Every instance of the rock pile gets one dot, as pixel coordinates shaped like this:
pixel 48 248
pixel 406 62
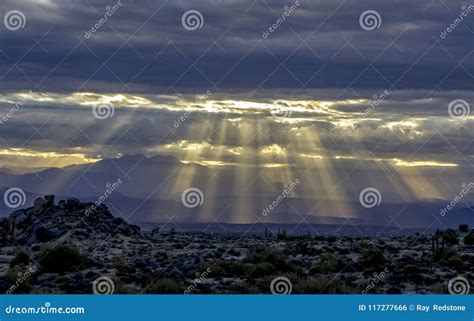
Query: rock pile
pixel 46 221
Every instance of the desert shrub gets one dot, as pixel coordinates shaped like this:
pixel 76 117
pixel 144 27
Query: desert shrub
pixel 225 268
pixel 262 269
pixel 324 285
pixel 394 290
pixel 19 281
pixel 243 288
pixel 165 286
pixel 372 260
pixel 21 257
pixel 119 264
pixel 469 238
pixel 62 258
pixel 439 289
pixel 450 236
pixel 454 261
pixel 409 272
pixel 329 262
pixel 269 256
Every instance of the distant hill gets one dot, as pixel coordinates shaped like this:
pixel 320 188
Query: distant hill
pixel 148 194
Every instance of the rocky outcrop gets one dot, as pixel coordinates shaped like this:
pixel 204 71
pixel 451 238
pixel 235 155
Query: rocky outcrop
pixel 46 221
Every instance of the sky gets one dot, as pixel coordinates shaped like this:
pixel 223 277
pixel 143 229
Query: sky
pixel 291 87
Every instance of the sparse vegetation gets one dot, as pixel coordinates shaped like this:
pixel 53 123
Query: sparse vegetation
pixel 21 257
pixel 165 286
pixel 173 262
pixel 62 258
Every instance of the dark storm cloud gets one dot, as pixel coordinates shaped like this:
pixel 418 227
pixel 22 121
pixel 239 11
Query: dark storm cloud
pixel 144 48
pixel 422 132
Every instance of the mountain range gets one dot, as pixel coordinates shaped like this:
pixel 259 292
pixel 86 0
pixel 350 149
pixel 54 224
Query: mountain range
pixel 150 191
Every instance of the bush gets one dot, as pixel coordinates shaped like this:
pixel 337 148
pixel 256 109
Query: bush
pixel 324 285
pixel 450 236
pixel 118 264
pixel 61 259
pixel 269 256
pixel 454 262
pixel 165 286
pixel 469 238
pixel 21 257
pixel 408 272
pixel 19 281
pixel 372 259
pixel 330 263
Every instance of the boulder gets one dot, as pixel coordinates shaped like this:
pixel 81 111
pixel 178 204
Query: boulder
pixel 20 217
pixel 40 206
pixel 44 235
pixel 72 203
pixel 49 200
pixel 62 204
